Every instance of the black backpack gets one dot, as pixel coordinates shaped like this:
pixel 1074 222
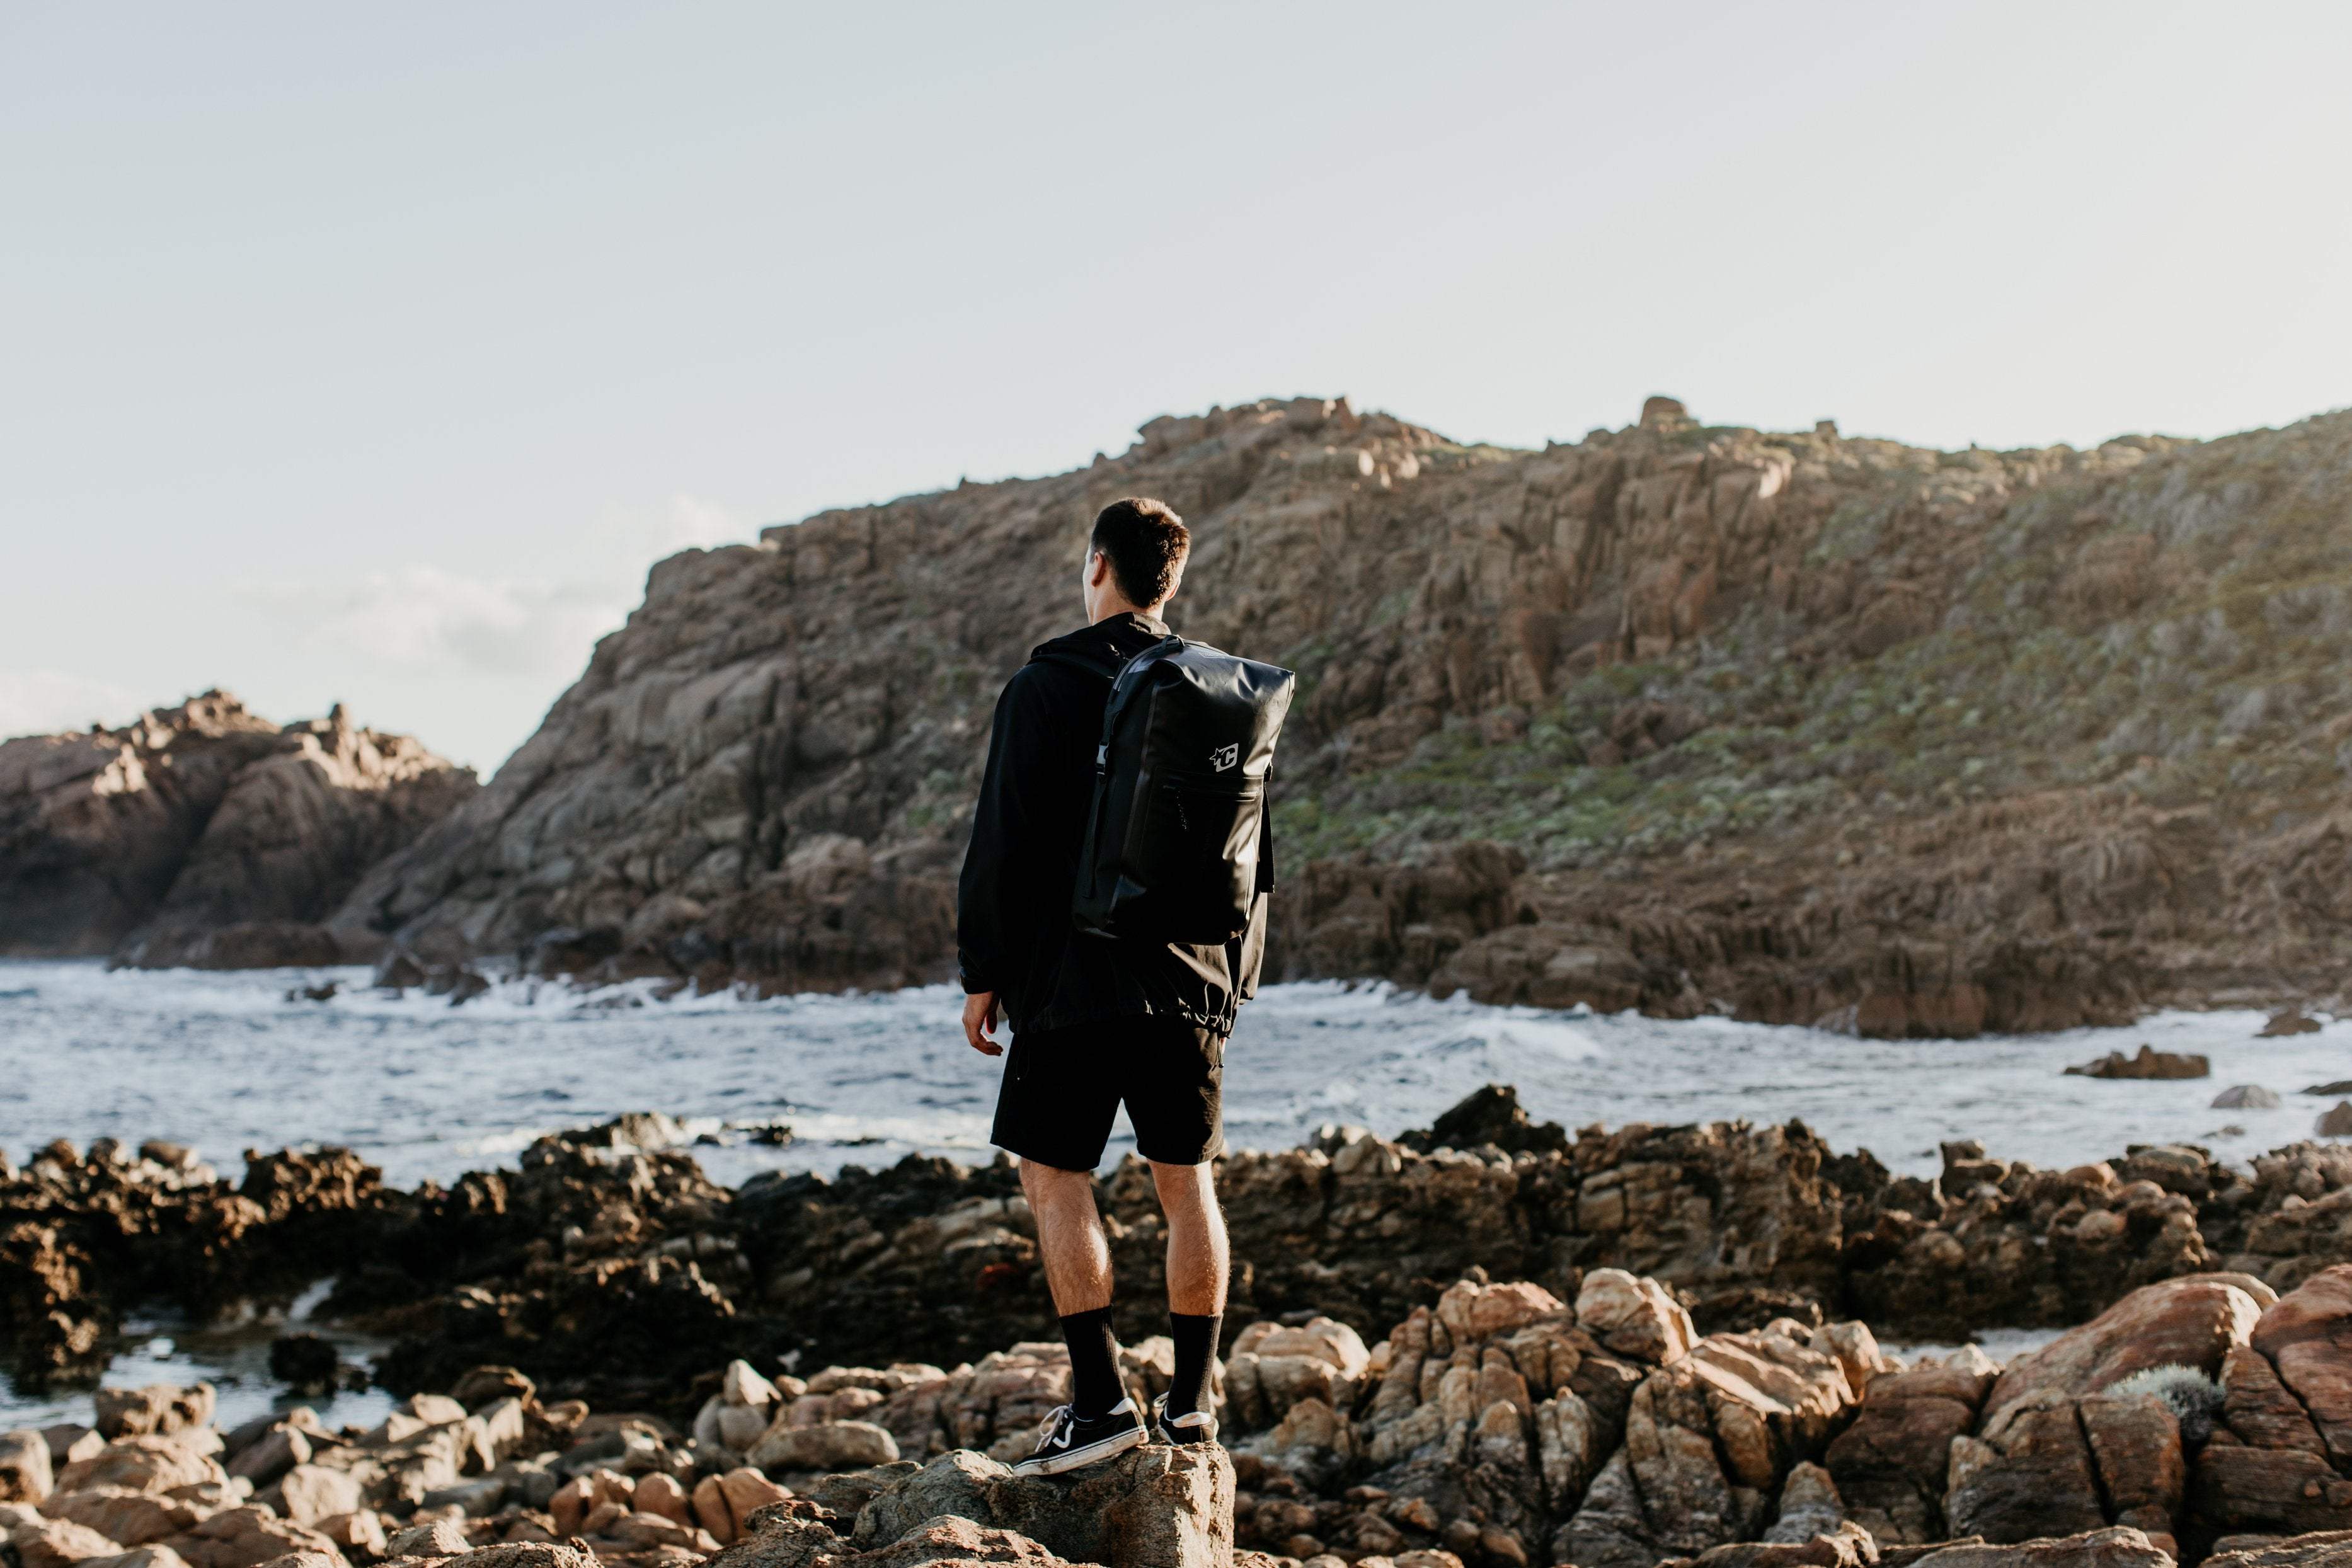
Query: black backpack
pixel 1176 846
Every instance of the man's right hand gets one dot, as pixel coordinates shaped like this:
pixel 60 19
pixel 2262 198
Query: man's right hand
pixel 979 1022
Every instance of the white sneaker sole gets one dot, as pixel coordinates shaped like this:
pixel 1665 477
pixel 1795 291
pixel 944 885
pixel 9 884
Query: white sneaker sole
pixel 1079 1458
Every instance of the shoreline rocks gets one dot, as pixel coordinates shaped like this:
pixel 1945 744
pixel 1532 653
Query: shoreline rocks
pixel 608 1267
pixel 2198 1419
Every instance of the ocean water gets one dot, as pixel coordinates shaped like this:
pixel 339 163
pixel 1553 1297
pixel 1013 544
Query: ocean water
pixel 226 1062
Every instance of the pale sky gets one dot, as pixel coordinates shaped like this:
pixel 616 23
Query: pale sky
pixel 373 352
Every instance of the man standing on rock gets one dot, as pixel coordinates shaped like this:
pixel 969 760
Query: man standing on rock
pixel 1097 1020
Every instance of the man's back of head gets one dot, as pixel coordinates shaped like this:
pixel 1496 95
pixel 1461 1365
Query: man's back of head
pixel 1135 557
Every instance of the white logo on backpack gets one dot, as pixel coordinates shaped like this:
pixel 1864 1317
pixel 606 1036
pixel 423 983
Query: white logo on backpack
pixel 1224 757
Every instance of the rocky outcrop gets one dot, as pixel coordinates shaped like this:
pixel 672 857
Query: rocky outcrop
pixel 203 834
pixel 1677 716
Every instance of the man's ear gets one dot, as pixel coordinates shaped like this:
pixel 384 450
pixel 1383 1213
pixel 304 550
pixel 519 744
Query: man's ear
pixel 1098 567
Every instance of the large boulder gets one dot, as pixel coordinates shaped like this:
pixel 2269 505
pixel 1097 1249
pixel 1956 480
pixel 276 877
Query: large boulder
pixel 154 1464
pixel 159 1408
pixel 1710 1441
pixel 1150 1507
pixel 1497 1399
pixel 1271 1367
pixel 2192 1322
pixel 2105 1548
pixel 131 1517
pixel 1891 1464
pixel 2307 1336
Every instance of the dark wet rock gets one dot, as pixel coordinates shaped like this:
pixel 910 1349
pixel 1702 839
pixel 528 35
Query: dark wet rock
pixel 1491 1117
pixel 2147 1062
pixel 304 1363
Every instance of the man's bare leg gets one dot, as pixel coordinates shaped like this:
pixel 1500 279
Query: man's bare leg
pixel 1199 1265
pixel 1199 1259
pixel 1076 1255
pixel 1070 1237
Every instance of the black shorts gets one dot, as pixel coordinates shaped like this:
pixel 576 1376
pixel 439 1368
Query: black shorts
pixel 1063 1088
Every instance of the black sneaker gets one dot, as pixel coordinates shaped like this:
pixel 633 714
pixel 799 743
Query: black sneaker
pixel 1070 1441
pixel 1192 1427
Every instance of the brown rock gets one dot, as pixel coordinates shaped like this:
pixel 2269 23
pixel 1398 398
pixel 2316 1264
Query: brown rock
pixel 2147 1063
pixel 247 1537
pixel 1891 1465
pixel 1633 1317
pixel 952 1540
pixel 59 1543
pixel 141 1464
pixel 832 1445
pixel 2307 1336
pixel 2108 1548
pixel 661 1494
pixel 2190 1322
pixel 2028 1476
pixel 2325 1549
pixel 130 1518
pixel 2136 1449
pixel 156 1556
pixel 25 1473
pixel 360 1533
pixel 435 1538
pixel 2288 1022
pixel 270 1456
pixel 1148 1507
pixel 159 1407
pixel 2257 1409
pixel 2240 1488
pixel 309 1494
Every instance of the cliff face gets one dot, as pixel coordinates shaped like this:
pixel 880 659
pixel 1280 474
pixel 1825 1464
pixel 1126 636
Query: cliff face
pixel 1679 716
pixel 204 833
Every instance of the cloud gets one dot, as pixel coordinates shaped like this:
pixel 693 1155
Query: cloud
pixel 50 702
pixel 428 619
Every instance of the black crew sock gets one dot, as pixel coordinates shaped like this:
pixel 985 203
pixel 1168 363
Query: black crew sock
pixel 1196 1356
pixel 1094 1387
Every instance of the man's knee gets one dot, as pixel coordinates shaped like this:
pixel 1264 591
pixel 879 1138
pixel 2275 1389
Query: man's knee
pixel 1186 1189
pixel 1052 1185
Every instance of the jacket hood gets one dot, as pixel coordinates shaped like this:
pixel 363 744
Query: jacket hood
pixel 1120 636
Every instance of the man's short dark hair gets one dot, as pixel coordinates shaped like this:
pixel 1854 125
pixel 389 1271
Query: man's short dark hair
pixel 1145 542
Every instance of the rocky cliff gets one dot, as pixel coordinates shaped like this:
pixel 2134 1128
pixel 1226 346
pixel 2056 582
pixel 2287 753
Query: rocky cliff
pixel 204 833
pixel 1680 716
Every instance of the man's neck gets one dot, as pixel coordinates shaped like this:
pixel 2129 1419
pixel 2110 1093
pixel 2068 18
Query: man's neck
pixel 1116 610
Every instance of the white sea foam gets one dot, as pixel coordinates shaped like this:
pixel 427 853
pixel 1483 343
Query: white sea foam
pixel 225 1062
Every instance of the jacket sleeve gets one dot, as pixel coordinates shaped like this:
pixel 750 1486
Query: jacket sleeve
pixel 996 915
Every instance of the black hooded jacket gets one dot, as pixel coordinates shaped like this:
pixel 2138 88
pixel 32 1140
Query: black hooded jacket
pixel 1013 932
